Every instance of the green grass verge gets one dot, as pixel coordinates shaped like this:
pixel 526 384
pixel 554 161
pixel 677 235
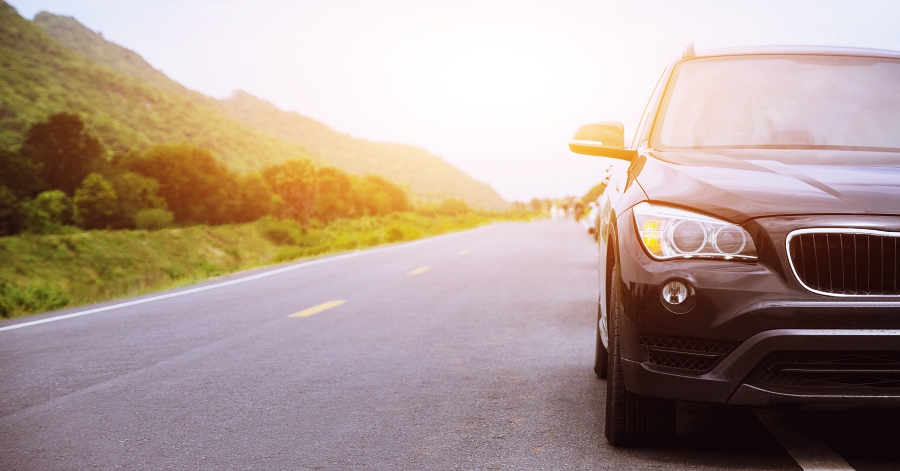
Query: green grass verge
pixel 42 273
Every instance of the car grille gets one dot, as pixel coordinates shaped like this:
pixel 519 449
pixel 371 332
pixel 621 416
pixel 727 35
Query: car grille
pixel 855 370
pixel 689 355
pixel 847 262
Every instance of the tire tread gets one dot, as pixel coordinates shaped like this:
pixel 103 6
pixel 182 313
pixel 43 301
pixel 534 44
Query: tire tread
pixel 631 419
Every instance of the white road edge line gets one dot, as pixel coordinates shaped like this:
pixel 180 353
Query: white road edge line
pixel 245 279
pixel 808 451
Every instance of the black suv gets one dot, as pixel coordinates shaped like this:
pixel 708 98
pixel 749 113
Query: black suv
pixel 752 254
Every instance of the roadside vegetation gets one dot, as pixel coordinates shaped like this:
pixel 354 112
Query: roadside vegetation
pixel 45 272
pixel 61 179
pixel 80 227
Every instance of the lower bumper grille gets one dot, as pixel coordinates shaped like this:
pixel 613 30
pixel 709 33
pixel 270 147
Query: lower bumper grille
pixel 843 370
pixel 691 355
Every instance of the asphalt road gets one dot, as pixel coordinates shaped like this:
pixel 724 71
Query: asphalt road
pixel 479 359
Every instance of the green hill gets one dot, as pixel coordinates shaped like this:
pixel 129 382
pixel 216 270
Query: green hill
pixel 56 64
pixel 75 36
pixel 40 77
pixel 428 176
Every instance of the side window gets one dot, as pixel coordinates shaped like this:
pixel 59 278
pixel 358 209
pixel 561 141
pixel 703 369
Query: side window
pixel 649 110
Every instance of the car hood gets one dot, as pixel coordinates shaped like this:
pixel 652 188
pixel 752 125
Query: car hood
pixel 740 185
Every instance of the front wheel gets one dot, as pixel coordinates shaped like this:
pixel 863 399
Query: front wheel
pixel 631 419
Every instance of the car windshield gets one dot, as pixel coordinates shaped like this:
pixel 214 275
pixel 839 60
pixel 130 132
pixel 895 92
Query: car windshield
pixel 786 101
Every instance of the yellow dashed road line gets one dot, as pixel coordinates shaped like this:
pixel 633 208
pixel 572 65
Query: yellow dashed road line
pixel 419 271
pixel 317 309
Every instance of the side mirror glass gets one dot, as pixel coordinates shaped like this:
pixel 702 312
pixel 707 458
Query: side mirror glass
pixel 603 140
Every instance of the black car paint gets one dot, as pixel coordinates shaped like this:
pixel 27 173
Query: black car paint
pixel 759 307
pixel 739 185
pixel 738 300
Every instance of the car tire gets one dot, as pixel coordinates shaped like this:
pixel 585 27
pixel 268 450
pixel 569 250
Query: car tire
pixel 631 420
pixel 601 357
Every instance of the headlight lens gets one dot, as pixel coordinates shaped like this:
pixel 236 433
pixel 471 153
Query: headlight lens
pixel 674 233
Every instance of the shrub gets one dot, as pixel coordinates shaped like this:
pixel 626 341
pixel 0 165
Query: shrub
pixel 397 233
pixel 95 203
pixel 279 232
pixel 134 193
pixel 393 234
pixel 453 207
pixel 447 207
pixel 279 236
pixel 15 300
pixel 153 219
pixel 47 213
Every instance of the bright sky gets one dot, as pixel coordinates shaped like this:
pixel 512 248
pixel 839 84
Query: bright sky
pixel 495 87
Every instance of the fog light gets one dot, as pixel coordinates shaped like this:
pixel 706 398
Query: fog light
pixel 678 296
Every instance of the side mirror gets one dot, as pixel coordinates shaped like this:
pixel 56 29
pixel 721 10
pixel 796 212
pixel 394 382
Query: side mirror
pixel 603 140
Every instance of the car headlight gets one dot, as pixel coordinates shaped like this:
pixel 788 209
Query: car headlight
pixel 669 233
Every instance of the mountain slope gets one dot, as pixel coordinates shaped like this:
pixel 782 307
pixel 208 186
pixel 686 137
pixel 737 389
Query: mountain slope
pixel 428 176
pixel 40 77
pixel 75 36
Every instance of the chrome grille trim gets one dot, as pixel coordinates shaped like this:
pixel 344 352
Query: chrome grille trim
pixel 827 260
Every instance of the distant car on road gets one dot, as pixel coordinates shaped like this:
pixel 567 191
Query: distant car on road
pixel 750 254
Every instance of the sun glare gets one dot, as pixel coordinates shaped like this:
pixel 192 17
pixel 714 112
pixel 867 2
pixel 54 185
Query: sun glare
pixel 489 78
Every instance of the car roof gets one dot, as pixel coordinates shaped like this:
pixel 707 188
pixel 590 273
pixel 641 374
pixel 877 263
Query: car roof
pixel 817 50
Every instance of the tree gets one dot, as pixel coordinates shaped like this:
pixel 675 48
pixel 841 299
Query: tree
pixel 19 174
pixel 63 151
pixel 376 195
pixel 95 203
pixel 9 209
pixel 18 178
pixel 199 189
pixel 295 182
pixel 134 193
pixel 333 197
pixel 254 199
pixel 196 187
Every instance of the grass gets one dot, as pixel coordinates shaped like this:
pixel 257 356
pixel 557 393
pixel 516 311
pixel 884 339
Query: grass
pixel 45 272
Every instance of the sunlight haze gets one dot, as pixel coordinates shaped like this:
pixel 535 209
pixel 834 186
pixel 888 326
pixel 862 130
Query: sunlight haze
pixel 493 87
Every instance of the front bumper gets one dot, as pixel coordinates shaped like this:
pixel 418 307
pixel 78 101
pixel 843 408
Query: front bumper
pixel 731 381
pixel 747 314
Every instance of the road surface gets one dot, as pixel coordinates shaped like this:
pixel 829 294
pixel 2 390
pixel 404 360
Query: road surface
pixel 472 352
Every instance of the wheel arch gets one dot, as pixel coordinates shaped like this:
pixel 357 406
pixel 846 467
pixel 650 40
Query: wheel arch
pixel 608 255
